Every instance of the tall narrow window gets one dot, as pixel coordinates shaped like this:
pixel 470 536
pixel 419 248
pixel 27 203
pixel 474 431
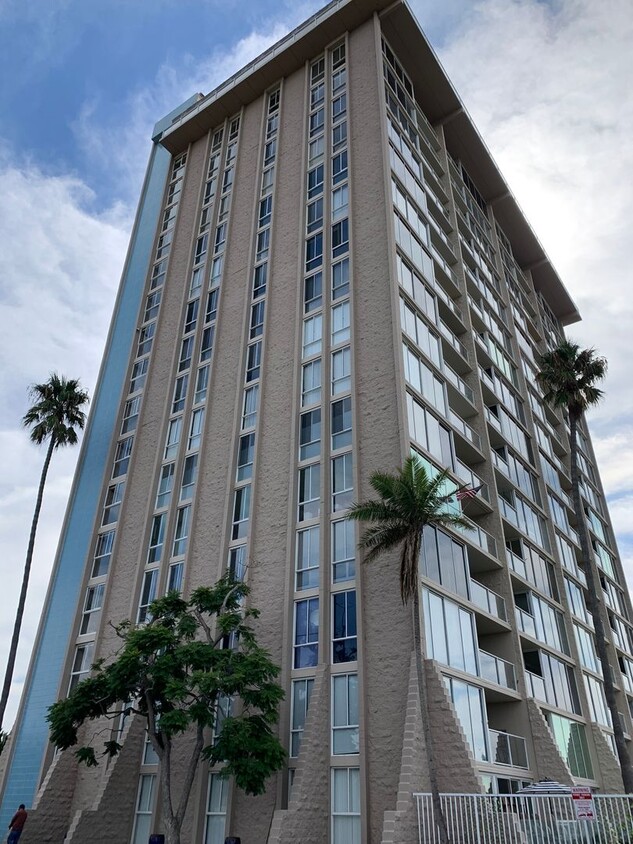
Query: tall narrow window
pixel 309 492
pixel 215 820
pixel 149 591
pixel 181 534
pixel 308 554
pixel 341 423
pixel 301 690
pixel 345 806
pixel 344 637
pixel 245 456
pixel 82 663
pixel 165 485
pixel 195 432
pixel 241 512
pixel 343 551
pixel 173 438
pixel 342 482
pixel 156 538
pixel 306 646
pixel 144 809
pixel 341 371
pixel 103 554
pixel 344 714
pixel 112 504
pixel 311 383
pixel 122 457
pixel 189 477
pixel 310 434
pixel 92 609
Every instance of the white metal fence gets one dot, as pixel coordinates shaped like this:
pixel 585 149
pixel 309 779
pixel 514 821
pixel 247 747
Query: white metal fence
pixel 525 819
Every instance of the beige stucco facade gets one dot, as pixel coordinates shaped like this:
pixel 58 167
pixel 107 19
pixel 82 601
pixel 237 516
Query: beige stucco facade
pixel 492 315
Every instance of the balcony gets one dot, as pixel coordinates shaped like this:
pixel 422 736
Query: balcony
pixel 526 622
pixel 446 272
pixel 488 600
pixel 496 670
pixel 535 686
pixel 464 429
pixel 508 749
pixel 481 538
pixel 469 477
pixel 458 382
pixel 453 341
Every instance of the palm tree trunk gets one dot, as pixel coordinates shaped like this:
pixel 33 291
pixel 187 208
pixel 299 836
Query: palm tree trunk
pixel 438 812
pixel 8 677
pixel 593 603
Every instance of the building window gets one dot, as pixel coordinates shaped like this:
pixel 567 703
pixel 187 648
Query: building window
pixel 572 744
pixel 103 554
pixel 257 319
pixel 309 492
pixel 173 438
pixel 315 182
pixel 92 609
pixel 306 642
pixel 343 551
pixel 237 562
pixel 265 211
pixel 317 121
pixel 145 339
pixel 310 434
pixel 340 238
pixel 174 577
pixel 341 423
pixel 314 219
pixel 345 806
pixel 311 383
pixel 263 245
pixel 195 431
pixel 259 280
pixel 301 691
pixel 342 482
pixel 186 351
pixel 122 457
pixel 340 279
pixel 253 361
pixel 144 809
pixel 156 538
pixel 191 316
pixel 130 415
pixel 344 638
pixel 470 706
pixel 241 512
pixel 206 346
pixel 189 477
pixel 181 534
pixel 339 167
pixel 340 323
pixel 308 554
pixel 450 633
pixel 82 663
pixel 180 393
pixel 339 136
pixel 339 107
pixel 139 374
pixel 215 817
pixel 245 455
pixel 202 383
pixel 149 590
pixel 165 485
pixel 312 292
pixel 112 505
pixel 344 714
pixel 314 252
pixel 341 371
pixel 312 328
pixel 249 413
pixel 212 306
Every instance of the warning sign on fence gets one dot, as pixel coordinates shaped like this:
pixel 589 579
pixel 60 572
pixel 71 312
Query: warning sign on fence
pixel 583 803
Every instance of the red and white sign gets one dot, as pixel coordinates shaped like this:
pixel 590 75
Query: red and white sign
pixel 583 803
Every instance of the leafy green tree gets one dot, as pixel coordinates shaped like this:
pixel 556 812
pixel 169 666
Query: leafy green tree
pixel 409 500
pixel 196 674
pixel 55 417
pixel 569 378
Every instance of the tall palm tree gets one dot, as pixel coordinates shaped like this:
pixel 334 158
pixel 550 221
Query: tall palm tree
pixel 409 500
pixel 568 377
pixel 54 417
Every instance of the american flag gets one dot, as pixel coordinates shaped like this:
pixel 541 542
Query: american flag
pixel 467 492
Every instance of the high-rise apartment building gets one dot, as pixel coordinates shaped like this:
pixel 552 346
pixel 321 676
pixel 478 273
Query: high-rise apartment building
pixel 328 272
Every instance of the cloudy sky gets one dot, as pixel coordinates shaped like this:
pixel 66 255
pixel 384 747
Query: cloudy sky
pixel 547 83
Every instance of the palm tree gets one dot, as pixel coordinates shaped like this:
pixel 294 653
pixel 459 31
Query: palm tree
pixel 409 500
pixel 568 377
pixel 54 417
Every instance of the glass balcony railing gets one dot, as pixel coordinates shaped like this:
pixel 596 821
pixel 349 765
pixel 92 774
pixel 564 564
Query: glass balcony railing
pixel 535 686
pixel 497 670
pixel 465 429
pixel 449 335
pixel 508 749
pixel 464 473
pixel 526 622
pixel 481 538
pixel 488 600
pixel 444 266
pixel 458 382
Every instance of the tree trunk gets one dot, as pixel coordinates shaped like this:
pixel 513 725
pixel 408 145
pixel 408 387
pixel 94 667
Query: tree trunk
pixel 438 812
pixel 8 676
pixel 593 603
pixel 170 821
